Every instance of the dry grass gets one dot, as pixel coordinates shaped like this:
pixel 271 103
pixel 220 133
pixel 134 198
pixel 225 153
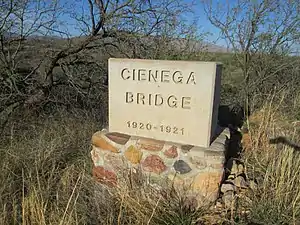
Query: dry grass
pixel 46 179
pixel 43 171
pixel 276 168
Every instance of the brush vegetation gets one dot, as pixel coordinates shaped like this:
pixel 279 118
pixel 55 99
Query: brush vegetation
pixel 46 178
pixel 54 96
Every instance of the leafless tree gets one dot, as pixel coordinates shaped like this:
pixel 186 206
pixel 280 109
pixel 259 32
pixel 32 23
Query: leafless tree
pixel 262 35
pixel 20 20
pixel 32 66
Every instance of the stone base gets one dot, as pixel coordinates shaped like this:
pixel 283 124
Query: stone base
pixel 195 170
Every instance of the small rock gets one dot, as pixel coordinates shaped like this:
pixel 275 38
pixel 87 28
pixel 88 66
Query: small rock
pixel 182 167
pixel 226 132
pixel 186 148
pixel 133 155
pixel 151 144
pixel 171 152
pixel 228 198
pixel 231 177
pixel 218 205
pixel 227 187
pixel 153 163
pixel 240 182
pixel 241 168
pixel 245 213
pixel 253 185
pixel 100 142
pixel 199 162
pixel 118 138
pixel 104 176
pixel 234 169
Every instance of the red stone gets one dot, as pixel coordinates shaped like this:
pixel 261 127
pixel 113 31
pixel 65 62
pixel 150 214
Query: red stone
pixel 118 138
pixel 153 163
pixel 151 144
pixel 104 176
pixel 171 152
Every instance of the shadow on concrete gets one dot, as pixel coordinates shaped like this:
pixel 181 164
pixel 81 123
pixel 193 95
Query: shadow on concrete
pixel 217 133
pixel 232 117
pixel 285 141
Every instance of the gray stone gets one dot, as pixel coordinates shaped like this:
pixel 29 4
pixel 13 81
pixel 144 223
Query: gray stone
pixel 199 162
pixel 236 168
pixel 214 154
pixel 240 182
pixel 218 145
pixel 182 167
pixel 228 187
pixel 228 199
pixel 186 148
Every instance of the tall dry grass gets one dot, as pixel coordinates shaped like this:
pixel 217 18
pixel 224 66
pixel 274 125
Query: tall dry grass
pixel 44 167
pixel 276 199
pixel 46 179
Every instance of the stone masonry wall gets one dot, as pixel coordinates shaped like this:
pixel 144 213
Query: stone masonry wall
pixel 199 169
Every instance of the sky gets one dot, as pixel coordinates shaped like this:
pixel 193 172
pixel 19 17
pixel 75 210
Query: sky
pixel 203 23
pixel 269 23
